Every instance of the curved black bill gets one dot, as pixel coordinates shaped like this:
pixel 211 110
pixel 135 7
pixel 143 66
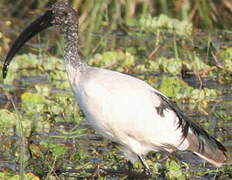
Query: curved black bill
pixel 35 27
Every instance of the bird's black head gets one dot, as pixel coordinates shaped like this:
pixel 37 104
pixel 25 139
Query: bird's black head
pixel 61 14
pixel 64 15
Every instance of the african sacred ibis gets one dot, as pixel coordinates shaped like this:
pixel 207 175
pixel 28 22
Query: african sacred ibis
pixel 122 108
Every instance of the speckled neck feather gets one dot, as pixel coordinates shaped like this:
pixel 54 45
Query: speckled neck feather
pixel 66 17
pixel 71 47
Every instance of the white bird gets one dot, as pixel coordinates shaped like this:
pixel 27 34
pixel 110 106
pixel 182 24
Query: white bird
pixel 123 108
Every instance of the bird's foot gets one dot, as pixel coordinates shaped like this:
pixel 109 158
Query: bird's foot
pixel 146 168
pixel 147 172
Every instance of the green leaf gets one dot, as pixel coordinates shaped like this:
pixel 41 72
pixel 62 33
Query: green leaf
pixel 163 22
pixel 174 87
pixel 174 170
pixel 57 149
pixel 8 119
pixel 32 98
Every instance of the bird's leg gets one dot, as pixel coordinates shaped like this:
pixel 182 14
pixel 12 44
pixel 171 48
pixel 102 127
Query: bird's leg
pixel 145 166
pixel 130 166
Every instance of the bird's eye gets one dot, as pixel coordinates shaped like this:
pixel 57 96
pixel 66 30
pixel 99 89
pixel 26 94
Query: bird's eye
pixel 65 13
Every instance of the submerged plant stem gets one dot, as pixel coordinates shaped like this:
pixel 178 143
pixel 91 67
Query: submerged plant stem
pixel 22 139
pixel 175 47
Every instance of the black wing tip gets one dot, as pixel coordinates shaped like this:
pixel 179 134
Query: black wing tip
pixel 204 137
pixel 185 124
pixel 220 146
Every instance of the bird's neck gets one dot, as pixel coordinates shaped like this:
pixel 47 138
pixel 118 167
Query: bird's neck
pixel 71 47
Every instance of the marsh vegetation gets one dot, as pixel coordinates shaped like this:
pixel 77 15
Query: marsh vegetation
pixel 182 48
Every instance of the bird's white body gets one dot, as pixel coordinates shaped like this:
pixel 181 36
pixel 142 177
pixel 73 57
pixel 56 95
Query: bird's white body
pixel 123 109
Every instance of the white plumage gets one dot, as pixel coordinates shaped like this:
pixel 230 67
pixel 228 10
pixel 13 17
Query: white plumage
pixel 123 109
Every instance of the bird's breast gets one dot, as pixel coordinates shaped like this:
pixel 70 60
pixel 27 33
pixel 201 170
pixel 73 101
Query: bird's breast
pixel 92 99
